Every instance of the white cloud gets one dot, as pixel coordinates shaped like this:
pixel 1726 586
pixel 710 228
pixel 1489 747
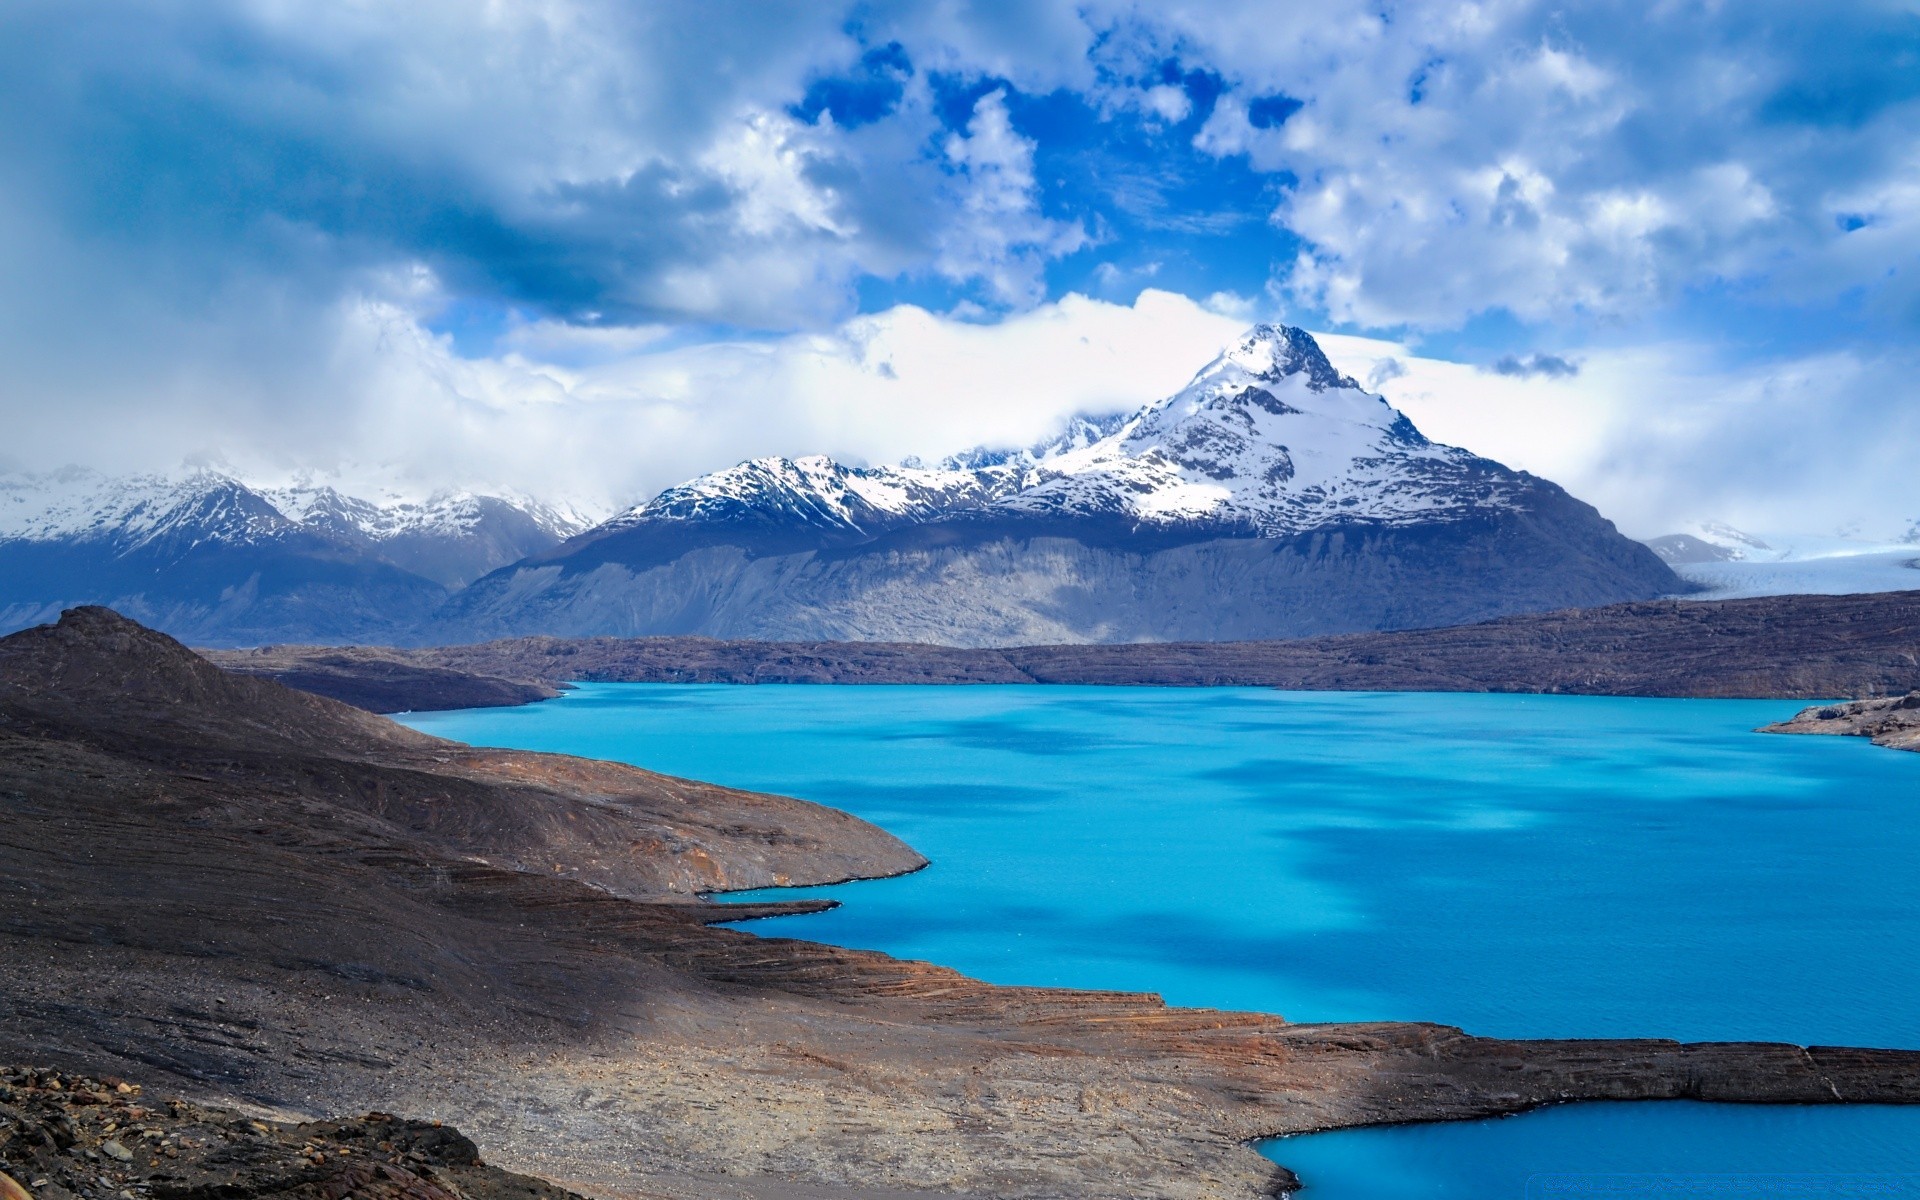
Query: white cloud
pixel 1658 436
pixel 1570 161
pixel 626 419
pixel 1000 235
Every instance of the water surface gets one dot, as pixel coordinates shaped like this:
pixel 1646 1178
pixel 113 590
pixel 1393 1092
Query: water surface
pixel 1516 865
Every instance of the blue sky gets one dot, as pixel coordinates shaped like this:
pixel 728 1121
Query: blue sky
pixel 598 245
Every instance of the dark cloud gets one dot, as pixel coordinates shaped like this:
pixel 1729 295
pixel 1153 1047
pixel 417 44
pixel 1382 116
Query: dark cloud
pixel 1552 366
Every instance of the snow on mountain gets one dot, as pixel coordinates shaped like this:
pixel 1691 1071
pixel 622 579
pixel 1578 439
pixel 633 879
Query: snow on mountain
pixel 1709 541
pixel 1268 440
pixel 1081 431
pixel 1725 563
pixel 134 512
pixel 79 504
pixel 1269 437
pixel 450 538
pixel 1198 517
pixel 444 514
pixel 818 493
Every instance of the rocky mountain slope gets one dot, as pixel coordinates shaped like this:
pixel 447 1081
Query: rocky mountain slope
pixel 1800 647
pixel 210 558
pixel 1272 497
pixel 219 887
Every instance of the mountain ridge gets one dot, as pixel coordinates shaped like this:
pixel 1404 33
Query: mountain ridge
pixel 1271 497
pixel 210 557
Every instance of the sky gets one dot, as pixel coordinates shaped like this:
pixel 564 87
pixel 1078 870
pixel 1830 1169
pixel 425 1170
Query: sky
pixel 1666 254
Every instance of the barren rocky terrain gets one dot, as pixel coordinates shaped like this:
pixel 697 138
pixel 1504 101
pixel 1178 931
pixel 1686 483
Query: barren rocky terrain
pixel 64 1136
pixel 1797 647
pixel 1891 721
pixel 218 887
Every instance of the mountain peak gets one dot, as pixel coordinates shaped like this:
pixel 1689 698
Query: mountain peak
pixel 1270 353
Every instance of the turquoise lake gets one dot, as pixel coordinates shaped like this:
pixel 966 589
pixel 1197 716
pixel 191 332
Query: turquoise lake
pixel 1522 866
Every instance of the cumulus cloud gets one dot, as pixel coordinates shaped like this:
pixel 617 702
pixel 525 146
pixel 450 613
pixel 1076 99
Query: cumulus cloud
pixel 1565 161
pixel 590 242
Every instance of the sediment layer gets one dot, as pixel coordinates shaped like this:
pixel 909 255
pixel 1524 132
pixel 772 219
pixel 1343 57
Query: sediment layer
pixel 214 885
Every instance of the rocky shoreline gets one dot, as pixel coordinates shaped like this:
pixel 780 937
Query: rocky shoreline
pixel 1792 647
pixel 1890 721
pixel 215 886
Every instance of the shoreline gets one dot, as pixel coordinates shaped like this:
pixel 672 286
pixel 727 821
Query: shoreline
pixel 232 890
pixel 1793 647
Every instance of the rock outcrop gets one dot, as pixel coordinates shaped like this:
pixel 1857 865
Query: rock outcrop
pixel 64 1137
pixel 1891 721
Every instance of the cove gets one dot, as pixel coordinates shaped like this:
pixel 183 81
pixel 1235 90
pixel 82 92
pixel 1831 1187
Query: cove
pixel 1520 866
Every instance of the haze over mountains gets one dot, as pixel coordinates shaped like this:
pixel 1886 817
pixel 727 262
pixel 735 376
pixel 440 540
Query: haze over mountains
pixel 1271 497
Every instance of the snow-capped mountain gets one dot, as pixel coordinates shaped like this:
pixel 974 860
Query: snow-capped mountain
pixel 206 556
pixel 1724 563
pixel 134 512
pixel 1272 496
pixel 1269 438
pixel 451 538
pixel 820 496
pixel 1709 541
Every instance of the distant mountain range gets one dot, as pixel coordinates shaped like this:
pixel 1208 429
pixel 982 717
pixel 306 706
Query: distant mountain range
pixel 1272 497
pixel 208 558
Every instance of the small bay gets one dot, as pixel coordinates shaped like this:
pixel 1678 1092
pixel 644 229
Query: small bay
pixel 1524 866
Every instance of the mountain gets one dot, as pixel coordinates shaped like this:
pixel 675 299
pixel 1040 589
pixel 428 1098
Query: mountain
pixel 1271 497
pixel 207 557
pixel 451 538
pixel 1709 542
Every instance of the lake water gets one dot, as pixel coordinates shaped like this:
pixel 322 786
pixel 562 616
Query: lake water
pixel 1515 865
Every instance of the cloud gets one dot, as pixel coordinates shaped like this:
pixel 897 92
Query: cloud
pixel 1550 365
pixel 1570 161
pixel 1657 436
pixel 586 243
pixel 1000 235
pixel 588 417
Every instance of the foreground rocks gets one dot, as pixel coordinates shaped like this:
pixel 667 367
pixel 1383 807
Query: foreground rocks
pixel 220 888
pixel 65 1136
pixel 1892 721
pixel 1798 647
